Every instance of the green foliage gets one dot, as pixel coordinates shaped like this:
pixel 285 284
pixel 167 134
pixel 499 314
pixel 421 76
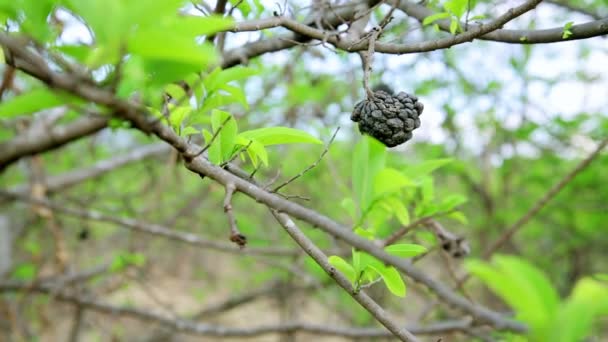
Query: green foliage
pixel 33 101
pixel 126 259
pixel 566 32
pixel 25 271
pixel 530 293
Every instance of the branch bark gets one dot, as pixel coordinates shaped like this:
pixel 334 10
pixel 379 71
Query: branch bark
pixel 34 142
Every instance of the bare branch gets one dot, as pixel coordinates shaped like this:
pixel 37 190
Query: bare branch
pixel 152 229
pixel 203 329
pixel 71 178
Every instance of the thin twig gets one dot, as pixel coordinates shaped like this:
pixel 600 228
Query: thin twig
pixel 368 60
pixel 544 200
pixel 213 137
pixel 235 234
pixel 311 166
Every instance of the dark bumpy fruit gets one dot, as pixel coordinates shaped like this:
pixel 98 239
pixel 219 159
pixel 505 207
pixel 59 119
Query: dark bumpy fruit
pixel 388 118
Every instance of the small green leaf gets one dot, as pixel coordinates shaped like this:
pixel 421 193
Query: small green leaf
pixel 405 250
pixel 369 157
pixel 566 32
pixel 280 135
pixel 458 216
pixel 219 78
pixel 450 202
pixel 159 44
pixel 25 271
pixel 344 267
pixel 453 26
pixel 214 151
pixel 398 208
pixel 456 7
pixel 478 17
pixel 236 94
pixel 177 116
pixel 255 150
pixel 190 131
pixel 392 279
pixel 365 233
pixel 427 189
pixel 228 133
pixel 437 16
pixel 200 26
pixel 33 101
pixel 425 168
pixel 389 180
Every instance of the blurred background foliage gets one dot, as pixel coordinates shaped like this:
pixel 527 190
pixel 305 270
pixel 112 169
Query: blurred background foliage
pixel 514 119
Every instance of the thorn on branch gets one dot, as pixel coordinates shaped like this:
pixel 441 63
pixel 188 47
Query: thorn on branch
pixel 235 234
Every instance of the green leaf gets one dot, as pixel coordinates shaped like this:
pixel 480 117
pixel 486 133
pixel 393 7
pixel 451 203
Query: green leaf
pixel 365 233
pixel 522 286
pixel 450 202
pixel 178 115
pixel 219 78
pixel 228 133
pixel 458 216
pixel 190 131
pixel 344 267
pixel 389 180
pixel 437 16
pixel 25 271
pixel 124 260
pixel 368 159
pixel 566 32
pixel 405 250
pixel 108 30
pixel 425 168
pixel 587 302
pixel 280 135
pixel 454 26
pixel 33 101
pixel 392 279
pixel 457 7
pixel 214 151
pixel 255 150
pixel 175 91
pixel 427 189
pixel 349 205
pixel 236 94
pixel 159 44
pixel 398 208
pixel 200 26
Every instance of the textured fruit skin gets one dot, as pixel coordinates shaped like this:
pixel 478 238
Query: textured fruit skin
pixel 388 118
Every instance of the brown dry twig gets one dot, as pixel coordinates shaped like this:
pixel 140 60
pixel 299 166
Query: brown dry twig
pixel 235 234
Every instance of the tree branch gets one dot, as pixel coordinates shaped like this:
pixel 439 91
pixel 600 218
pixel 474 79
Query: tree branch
pixel 553 35
pixel 34 142
pixel 321 259
pixel 189 327
pixel 71 178
pixel 133 113
pixel 152 229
